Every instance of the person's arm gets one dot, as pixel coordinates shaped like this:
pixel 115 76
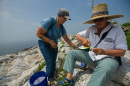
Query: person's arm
pixel 115 52
pixel 41 34
pixel 68 41
pixel 84 41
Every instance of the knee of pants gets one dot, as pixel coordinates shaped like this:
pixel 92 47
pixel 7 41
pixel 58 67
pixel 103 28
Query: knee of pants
pixel 108 65
pixel 107 71
pixel 70 53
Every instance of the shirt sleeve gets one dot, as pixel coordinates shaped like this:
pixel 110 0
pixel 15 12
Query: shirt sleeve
pixel 85 33
pixel 120 40
pixel 46 23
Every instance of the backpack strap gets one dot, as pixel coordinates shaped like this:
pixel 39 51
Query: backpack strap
pixel 52 22
pixel 103 36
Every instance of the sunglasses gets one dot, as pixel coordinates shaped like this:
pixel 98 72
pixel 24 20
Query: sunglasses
pixel 101 19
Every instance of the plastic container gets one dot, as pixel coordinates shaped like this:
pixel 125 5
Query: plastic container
pixel 38 79
pixel 83 64
pixel 84 48
pixel 80 64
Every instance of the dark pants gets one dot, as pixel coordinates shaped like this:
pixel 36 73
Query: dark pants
pixel 50 56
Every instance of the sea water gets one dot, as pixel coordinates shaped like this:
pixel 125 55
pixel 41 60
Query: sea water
pixel 14 48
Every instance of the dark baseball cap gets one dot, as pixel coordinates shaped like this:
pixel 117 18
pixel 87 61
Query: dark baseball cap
pixel 63 12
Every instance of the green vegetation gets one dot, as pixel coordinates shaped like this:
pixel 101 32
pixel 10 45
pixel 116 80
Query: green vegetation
pixel 41 66
pixel 126 27
pixel 126 24
pixel 63 42
pixel 59 51
pixel 128 38
pixel 62 73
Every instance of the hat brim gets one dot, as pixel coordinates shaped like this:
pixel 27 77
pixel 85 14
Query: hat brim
pixel 67 17
pixel 91 21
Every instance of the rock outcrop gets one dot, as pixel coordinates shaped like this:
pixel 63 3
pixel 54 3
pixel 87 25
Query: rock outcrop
pixel 16 69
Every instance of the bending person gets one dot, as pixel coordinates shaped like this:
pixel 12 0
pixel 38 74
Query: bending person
pixel 50 30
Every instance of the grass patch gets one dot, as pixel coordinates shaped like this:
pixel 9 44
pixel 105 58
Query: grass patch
pixel 128 39
pixel 59 51
pixel 61 72
pixel 63 42
pixel 41 66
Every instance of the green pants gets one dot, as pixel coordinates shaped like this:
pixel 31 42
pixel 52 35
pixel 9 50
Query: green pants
pixel 104 68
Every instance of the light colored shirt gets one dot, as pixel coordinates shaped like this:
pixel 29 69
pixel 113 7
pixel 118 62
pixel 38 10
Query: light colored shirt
pixel 56 33
pixel 115 39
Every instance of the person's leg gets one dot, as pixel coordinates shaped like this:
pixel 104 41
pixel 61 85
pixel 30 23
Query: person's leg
pixel 104 72
pixel 51 64
pixel 77 55
pixel 54 61
pixel 71 58
pixel 50 58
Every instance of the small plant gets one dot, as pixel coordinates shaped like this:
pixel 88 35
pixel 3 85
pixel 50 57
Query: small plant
pixel 59 51
pixel 126 24
pixel 61 72
pixel 41 66
pixel 63 42
pixel 128 39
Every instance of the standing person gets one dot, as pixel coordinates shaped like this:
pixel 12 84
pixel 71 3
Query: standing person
pixel 103 55
pixel 49 31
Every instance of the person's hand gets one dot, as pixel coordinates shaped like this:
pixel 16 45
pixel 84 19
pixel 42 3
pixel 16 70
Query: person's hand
pixel 98 51
pixel 53 44
pixel 75 48
pixel 86 43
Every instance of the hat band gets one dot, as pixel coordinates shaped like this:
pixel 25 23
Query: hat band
pixel 100 13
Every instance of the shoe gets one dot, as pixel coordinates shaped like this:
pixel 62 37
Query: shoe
pixel 65 82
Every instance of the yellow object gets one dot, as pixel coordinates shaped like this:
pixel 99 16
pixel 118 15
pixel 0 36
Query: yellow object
pixel 86 47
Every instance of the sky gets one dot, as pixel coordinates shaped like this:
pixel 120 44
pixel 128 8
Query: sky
pixel 19 19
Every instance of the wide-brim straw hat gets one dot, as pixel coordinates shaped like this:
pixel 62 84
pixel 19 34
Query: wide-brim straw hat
pixel 100 11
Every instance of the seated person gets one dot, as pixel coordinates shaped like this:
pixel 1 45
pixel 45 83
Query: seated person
pixel 103 54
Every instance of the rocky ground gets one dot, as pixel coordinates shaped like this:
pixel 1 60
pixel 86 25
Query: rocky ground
pixel 16 69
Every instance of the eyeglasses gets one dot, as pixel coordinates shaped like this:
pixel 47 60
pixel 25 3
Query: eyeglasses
pixel 101 19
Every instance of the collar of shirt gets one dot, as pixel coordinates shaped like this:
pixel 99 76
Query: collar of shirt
pixel 106 29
